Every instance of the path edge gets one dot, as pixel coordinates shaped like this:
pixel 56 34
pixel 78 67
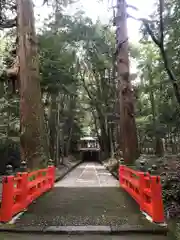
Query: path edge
pixel 112 173
pixel 68 171
pixel 109 231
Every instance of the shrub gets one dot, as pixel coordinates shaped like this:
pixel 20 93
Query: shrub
pixel 171 194
pixel 10 154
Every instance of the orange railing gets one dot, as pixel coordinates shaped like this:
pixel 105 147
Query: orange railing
pixel 146 191
pixel 21 190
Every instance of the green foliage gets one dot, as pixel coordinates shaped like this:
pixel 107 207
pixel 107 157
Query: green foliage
pixel 154 82
pixel 171 194
pixel 77 60
pixel 158 114
pixel 10 154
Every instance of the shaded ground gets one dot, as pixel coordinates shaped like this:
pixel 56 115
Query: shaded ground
pixel 88 195
pixel 9 236
pixel 112 165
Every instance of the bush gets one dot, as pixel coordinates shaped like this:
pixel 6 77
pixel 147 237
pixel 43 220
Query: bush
pixel 10 154
pixel 171 194
pixel 169 170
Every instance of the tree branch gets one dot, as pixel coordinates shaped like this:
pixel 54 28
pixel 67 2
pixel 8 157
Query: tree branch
pixel 152 35
pixel 146 23
pixel 160 44
pixel 161 22
pixel 8 24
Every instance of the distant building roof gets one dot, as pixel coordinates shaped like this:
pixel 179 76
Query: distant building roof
pixel 89 138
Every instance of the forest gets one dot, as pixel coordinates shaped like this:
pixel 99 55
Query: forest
pixel 77 71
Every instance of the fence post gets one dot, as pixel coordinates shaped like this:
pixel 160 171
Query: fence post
pixel 143 166
pixel 157 202
pixel 142 185
pixel 51 173
pixel 24 184
pixel 121 171
pixel 7 196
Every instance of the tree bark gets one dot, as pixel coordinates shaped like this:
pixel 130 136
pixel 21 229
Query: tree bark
pixel 33 138
pixel 127 118
pixel 58 131
pixel 52 125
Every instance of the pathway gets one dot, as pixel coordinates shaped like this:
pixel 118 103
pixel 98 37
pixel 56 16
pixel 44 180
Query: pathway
pixel 10 236
pixel 89 195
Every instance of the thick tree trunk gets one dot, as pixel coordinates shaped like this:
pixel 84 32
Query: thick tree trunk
pixel 159 149
pixel 96 127
pixel 151 97
pixel 68 143
pixel 105 143
pixel 70 124
pixel 31 111
pixel 157 140
pixel 127 118
pixel 52 125
pixel 58 131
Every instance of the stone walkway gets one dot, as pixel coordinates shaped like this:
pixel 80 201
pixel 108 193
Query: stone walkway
pixel 88 195
pixel 10 236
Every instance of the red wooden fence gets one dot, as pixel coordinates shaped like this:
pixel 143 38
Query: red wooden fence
pixel 21 190
pixel 145 189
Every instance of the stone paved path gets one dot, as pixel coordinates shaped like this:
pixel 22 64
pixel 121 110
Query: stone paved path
pixel 88 195
pixel 10 236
